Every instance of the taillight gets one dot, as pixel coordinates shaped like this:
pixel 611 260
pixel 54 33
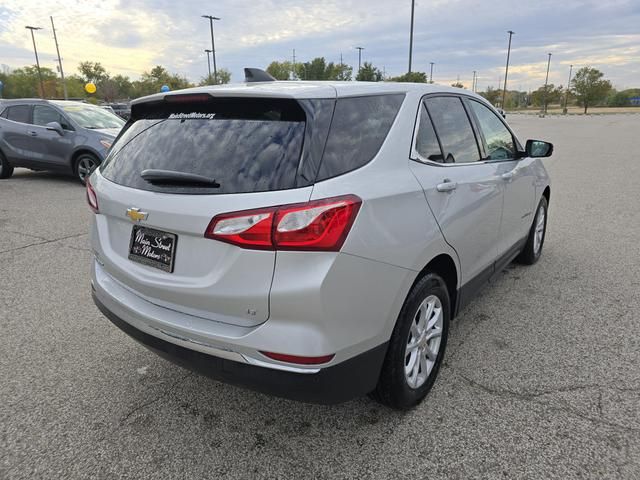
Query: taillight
pixel 317 225
pixel 92 198
pixel 283 357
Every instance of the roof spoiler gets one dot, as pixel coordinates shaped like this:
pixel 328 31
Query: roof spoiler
pixel 257 75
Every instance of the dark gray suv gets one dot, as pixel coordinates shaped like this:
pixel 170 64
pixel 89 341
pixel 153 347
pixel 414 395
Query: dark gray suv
pixel 65 136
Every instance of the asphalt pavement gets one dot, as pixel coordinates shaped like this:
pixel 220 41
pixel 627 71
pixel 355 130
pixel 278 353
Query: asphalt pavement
pixel 541 380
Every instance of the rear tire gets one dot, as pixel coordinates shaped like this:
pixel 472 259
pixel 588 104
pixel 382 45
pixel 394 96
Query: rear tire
pixel 6 169
pixel 84 165
pixel 415 353
pixel 533 248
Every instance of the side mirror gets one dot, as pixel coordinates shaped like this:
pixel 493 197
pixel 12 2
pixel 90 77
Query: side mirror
pixel 538 149
pixel 56 127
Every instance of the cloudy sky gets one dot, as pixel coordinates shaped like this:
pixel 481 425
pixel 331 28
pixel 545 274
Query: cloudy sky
pixel 131 36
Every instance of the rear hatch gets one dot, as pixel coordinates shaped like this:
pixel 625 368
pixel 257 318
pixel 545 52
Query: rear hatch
pixel 183 160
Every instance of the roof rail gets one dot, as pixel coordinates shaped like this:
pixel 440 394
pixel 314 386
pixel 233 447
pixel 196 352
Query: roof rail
pixel 257 75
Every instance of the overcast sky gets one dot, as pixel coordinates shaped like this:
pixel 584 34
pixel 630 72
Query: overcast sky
pixel 131 36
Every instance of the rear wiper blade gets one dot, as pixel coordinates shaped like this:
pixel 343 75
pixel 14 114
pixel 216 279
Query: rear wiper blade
pixel 169 177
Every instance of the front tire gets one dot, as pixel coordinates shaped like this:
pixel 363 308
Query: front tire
pixel 417 345
pixel 6 169
pixel 85 164
pixel 533 248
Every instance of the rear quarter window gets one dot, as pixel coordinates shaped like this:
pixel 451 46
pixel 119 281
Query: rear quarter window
pixel 359 127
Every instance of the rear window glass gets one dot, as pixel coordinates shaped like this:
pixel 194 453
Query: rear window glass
pixel 359 127
pixel 246 145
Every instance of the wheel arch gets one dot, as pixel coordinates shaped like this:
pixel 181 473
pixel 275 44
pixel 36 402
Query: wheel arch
pixel 547 194
pixel 445 266
pixel 81 151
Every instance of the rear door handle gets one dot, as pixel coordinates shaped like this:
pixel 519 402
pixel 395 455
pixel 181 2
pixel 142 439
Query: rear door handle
pixel 507 176
pixel 33 133
pixel 446 186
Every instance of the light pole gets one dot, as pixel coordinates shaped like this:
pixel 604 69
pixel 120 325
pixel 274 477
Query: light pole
pixel 213 47
pixel 546 81
pixel 413 7
pixel 37 61
pixel 207 51
pixel 566 94
pixel 506 70
pixel 55 38
pixel 431 72
pixel 473 82
pixel 359 57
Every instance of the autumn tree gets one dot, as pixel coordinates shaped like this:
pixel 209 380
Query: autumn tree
pixel 590 87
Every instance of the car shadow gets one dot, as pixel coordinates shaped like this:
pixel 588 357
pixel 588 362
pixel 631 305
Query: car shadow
pixel 31 176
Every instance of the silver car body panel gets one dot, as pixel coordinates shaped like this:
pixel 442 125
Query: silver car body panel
pixel 310 303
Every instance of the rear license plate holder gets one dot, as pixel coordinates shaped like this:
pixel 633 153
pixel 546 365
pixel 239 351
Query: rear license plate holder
pixel 153 248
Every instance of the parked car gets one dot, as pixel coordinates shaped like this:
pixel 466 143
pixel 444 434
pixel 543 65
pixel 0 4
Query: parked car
pixel 121 109
pixel 312 240
pixel 66 136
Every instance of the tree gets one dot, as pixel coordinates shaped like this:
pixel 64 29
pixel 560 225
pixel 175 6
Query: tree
pixel 224 76
pixel 553 95
pixel 413 77
pixel 457 85
pixel 369 73
pixel 25 82
pixel 492 95
pixel 590 87
pixel 92 71
pixel 280 70
pixel 341 72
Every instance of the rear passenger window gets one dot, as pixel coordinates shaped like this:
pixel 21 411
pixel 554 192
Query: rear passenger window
pixel 359 127
pixel 19 113
pixel 454 129
pixel 427 144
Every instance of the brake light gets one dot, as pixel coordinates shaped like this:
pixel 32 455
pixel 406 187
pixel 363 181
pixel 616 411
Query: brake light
pixel 319 225
pixel 283 357
pixel 187 98
pixel 92 198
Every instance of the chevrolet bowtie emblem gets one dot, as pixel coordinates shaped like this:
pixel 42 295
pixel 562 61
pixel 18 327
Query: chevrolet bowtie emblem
pixel 136 215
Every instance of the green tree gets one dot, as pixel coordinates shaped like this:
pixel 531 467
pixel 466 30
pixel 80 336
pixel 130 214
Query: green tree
pixel 590 87
pixel 457 85
pixel 25 82
pixel 224 76
pixel 413 77
pixel 493 95
pixel 554 95
pixel 280 70
pixel 341 72
pixel 92 71
pixel 369 73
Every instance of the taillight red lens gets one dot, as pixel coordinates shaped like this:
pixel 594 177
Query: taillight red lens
pixel 92 198
pixel 320 225
pixel 283 357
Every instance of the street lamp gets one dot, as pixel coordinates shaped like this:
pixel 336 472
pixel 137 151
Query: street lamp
pixel 213 46
pixel 473 82
pixel 359 57
pixel 546 81
pixel 413 6
pixel 207 51
pixel 566 94
pixel 431 72
pixel 55 38
pixel 37 61
pixel 506 70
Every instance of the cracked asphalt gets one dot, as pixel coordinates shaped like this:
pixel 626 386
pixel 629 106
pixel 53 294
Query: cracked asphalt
pixel 542 373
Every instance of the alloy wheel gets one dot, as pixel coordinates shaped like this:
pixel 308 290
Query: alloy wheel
pixel 423 343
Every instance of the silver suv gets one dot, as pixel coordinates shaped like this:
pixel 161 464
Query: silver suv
pixel 312 240
pixel 65 136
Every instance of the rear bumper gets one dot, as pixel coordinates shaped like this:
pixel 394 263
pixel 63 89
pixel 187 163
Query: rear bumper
pixel 338 383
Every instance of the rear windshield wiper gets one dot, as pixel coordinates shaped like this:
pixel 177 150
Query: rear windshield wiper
pixel 169 177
